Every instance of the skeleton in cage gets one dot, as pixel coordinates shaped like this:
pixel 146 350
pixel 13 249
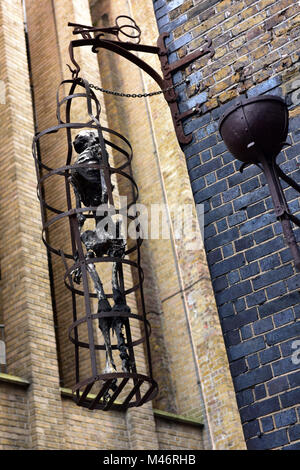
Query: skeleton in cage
pixel 90 189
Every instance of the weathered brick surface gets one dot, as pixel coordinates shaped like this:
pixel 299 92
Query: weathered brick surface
pixel 93 430
pixel 86 430
pixel 38 418
pixel 13 419
pixel 25 293
pixel 256 51
pixel 179 437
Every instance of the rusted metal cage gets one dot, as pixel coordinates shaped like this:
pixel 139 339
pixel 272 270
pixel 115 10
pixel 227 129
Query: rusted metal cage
pixel 131 388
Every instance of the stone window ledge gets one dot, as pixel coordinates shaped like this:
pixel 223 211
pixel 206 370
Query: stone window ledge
pixel 67 393
pixel 13 379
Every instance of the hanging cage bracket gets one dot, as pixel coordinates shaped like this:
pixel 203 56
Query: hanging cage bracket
pixel 124 49
pixel 86 179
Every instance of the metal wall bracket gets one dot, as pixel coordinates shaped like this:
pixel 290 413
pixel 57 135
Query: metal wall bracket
pixel 171 96
pixel 168 69
pixel 124 49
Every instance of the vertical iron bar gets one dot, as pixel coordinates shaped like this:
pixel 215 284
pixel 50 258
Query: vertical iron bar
pixel 69 206
pixel 74 310
pixel 281 208
pixel 75 230
pixel 127 327
pixel 144 310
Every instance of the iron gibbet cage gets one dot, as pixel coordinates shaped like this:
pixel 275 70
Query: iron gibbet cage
pixel 255 131
pixel 132 381
pixel 134 387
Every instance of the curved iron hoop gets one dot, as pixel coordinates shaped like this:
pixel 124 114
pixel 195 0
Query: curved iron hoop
pixel 82 398
pixel 96 316
pixel 56 128
pixel 107 259
pixel 85 30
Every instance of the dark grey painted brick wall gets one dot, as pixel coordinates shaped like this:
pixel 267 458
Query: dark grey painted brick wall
pixel 254 280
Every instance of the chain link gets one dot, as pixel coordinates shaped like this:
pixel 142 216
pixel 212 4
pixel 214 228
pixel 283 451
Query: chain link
pixel 138 95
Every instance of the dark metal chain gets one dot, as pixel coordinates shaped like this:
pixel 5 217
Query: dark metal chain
pixel 138 95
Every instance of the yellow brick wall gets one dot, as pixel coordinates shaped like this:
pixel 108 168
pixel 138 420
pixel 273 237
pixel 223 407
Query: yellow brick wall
pixel 26 301
pixel 177 437
pixel 96 430
pixel 130 118
pixel 252 40
pixel 88 430
pixel 44 25
pixel 13 418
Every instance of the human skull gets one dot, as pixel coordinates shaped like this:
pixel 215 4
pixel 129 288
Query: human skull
pixel 85 139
